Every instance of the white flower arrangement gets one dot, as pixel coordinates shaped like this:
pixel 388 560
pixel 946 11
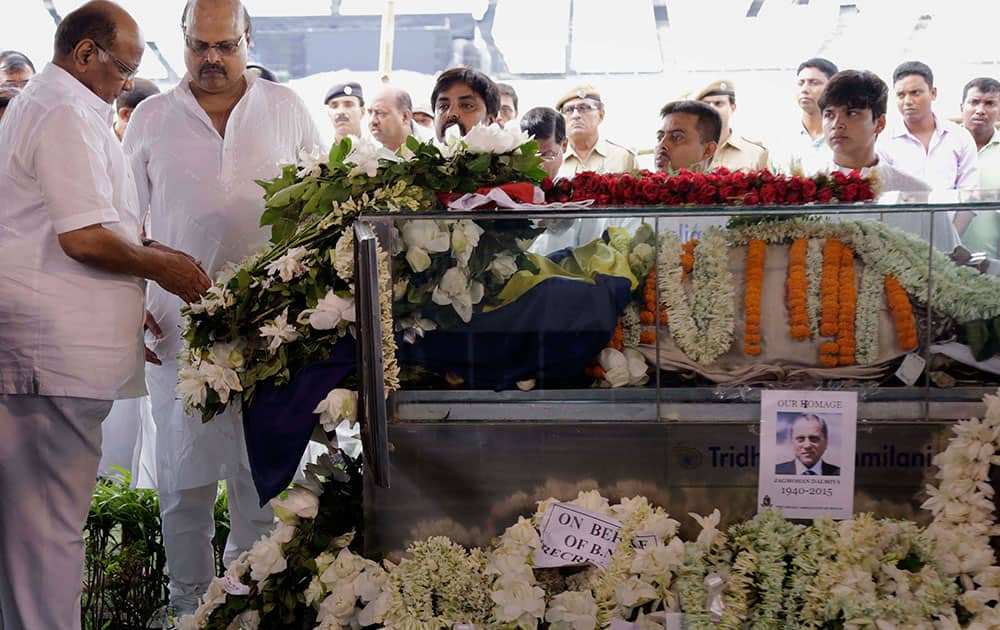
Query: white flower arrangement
pixel 703 330
pixel 279 331
pixel 331 311
pixel 290 265
pixel 814 276
pixel 866 317
pixel 459 291
pixel 339 405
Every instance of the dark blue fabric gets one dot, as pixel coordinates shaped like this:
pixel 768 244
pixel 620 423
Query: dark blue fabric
pixel 550 334
pixel 279 420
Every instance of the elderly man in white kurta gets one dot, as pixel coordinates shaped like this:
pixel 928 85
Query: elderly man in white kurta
pixel 196 151
pixel 71 313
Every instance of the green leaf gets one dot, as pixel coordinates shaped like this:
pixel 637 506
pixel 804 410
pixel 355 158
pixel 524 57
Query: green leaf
pixel 339 151
pixel 286 195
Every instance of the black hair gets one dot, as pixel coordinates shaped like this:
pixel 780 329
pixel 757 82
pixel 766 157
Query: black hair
pixel 141 90
pixel 476 80
pixel 190 5
pixel 825 66
pixel 544 122
pixel 506 89
pixel 263 72
pixel 709 120
pixel 919 68
pixel 14 61
pixel 856 89
pixel 986 85
pixel 93 22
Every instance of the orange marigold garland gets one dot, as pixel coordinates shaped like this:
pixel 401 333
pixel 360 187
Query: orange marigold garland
pixel 902 313
pixel 847 307
pixel 830 287
pixel 756 250
pixel 797 290
pixel 687 258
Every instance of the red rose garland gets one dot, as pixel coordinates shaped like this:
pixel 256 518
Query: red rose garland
pixel 719 187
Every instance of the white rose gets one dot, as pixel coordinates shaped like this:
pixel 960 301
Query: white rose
pixel 343 540
pixel 661 524
pixel 517 599
pixel 634 592
pixel 266 559
pixel 191 622
pixel 315 591
pixel 283 533
pixel 215 596
pixel 347 565
pixel 339 404
pixel 238 567
pixel 503 266
pixel 297 503
pixel 323 561
pixel 510 567
pixel 572 610
pixel 370 583
pixel 615 367
pixel 523 533
pixel 591 500
pixel 374 613
pixel 339 604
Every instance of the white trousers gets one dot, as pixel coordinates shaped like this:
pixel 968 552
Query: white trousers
pixel 188 519
pixel 50 447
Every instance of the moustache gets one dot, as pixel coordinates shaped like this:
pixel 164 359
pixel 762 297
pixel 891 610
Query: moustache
pixel 212 67
pixel 453 122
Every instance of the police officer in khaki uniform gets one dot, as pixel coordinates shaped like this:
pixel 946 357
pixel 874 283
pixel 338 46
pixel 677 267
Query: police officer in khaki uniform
pixel 734 152
pixel 345 104
pixel 588 151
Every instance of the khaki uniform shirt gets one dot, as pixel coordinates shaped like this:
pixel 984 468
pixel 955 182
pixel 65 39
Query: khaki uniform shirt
pixel 607 157
pixel 738 153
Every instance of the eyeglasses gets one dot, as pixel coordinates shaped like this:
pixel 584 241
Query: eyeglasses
pixel 549 157
pixel 128 72
pixel 225 48
pixel 583 108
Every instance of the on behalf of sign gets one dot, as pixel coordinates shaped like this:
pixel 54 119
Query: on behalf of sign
pixel 571 535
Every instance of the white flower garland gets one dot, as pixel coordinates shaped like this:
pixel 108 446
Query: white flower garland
pixel 814 276
pixel 957 292
pixel 866 318
pixel 704 330
pixel 964 519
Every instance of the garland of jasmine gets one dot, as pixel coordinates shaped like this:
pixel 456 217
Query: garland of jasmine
pixel 814 272
pixel 704 330
pixel 866 323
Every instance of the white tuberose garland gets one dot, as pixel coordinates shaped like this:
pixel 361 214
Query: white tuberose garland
pixel 704 330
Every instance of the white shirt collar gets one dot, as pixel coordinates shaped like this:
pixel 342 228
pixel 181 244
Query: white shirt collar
pixel 57 75
pixel 902 130
pixel 817 468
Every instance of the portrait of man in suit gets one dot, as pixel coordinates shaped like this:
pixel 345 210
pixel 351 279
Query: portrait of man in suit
pixel 810 438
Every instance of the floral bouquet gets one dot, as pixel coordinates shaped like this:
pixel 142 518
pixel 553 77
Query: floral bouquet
pixel 274 313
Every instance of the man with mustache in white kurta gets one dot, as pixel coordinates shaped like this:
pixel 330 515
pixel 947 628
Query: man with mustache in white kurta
pixel 196 151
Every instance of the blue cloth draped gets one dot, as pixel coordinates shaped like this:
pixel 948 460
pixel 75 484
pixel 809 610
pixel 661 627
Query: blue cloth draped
pixel 549 334
pixel 279 420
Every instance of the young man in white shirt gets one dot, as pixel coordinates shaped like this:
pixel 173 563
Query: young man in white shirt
pixel 935 150
pixel 806 151
pixel 196 151
pixel 71 275
pixel 853 105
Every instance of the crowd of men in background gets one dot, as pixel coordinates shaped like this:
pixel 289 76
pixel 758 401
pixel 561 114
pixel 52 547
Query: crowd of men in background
pixel 77 243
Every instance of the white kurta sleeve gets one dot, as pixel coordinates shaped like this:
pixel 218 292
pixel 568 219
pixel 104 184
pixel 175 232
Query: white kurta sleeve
pixel 136 152
pixel 72 172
